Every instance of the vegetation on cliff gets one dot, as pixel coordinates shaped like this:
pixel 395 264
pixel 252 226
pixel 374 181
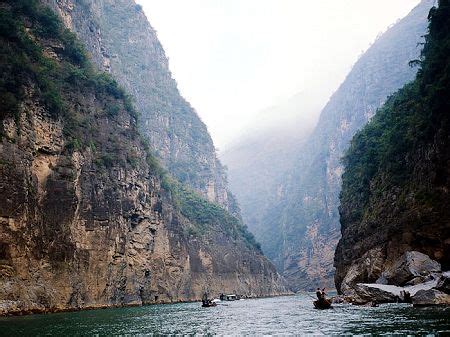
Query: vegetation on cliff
pixel 23 59
pixel 396 179
pixel 88 217
pixel 26 62
pixel 299 225
pixel 204 214
pixel 408 123
pixel 177 136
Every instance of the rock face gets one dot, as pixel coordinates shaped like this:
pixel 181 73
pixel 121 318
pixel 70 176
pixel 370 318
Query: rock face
pixel 430 297
pixel 87 219
pixel 413 278
pixel 411 265
pixel 444 283
pixel 395 195
pixel 432 291
pixel 367 293
pixel 300 228
pixel 122 42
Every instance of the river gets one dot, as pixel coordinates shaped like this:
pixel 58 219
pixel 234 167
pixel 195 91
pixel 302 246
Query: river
pixel 278 315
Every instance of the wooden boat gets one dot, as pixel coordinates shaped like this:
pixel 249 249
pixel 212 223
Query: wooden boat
pixel 326 304
pixel 209 304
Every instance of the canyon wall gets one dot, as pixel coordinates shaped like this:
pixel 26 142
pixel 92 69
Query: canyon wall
pixel 121 41
pixel 88 218
pixel 395 194
pixel 299 229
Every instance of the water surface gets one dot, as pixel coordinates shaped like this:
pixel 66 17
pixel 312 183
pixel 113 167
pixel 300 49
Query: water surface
pixel 280 315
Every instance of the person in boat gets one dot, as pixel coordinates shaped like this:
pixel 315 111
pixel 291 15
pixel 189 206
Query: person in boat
pixel 319 295
pixel 322 302
pixel 324 294
pixel 205 300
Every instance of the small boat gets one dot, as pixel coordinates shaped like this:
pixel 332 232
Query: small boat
pixel 326 304
pixel 206 302
pixel 209 304
pixel 229 297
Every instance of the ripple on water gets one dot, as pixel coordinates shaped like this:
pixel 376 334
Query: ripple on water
pixel 281 315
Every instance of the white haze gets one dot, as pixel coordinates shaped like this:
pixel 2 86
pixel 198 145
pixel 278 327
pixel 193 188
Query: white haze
pixel 235 58
pixel 285 123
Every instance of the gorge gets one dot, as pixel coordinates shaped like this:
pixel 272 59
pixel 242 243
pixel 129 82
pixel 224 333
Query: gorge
pixel 112 193
pixel 298 226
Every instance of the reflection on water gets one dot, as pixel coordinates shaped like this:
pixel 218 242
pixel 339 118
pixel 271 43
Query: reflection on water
pixel 281 315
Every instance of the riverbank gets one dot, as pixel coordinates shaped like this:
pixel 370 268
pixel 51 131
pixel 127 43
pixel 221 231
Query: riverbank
pixel 10 308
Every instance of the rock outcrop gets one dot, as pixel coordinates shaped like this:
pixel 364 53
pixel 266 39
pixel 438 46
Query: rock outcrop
pixel 299 230
pixel 87 217
pixel 422 294
pixel 430 297
pixel 395 196
pixel 411 267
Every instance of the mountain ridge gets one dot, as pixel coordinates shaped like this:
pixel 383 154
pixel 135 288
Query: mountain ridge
pixel 395 186
pixel 299 228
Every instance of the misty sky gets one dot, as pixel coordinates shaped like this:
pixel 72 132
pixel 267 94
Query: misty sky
pixel 233 58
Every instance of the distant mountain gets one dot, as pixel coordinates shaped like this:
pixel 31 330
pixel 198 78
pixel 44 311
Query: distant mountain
pixel 299 227
pixel 396 185
pixel 263 155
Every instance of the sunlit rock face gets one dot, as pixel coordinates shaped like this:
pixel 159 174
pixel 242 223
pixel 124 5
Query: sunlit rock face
pixel 84 219
pixel 300 229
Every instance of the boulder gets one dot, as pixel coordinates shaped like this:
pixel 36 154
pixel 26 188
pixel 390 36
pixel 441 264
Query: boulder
pixel 430 297
pixel 365 293
pixel 444 283
pixel 410 266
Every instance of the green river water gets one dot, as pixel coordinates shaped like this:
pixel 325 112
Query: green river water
pixel 267 316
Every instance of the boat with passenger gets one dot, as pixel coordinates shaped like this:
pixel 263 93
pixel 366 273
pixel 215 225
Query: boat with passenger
pixel 324 304
pixel 322 301
pixel 206 302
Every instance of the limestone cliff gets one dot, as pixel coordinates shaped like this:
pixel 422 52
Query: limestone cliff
pixel 121 41
pixel 300 230
pixel 87 216
pixel 395 193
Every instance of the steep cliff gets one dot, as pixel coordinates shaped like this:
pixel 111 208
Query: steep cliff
pixel 87 216
pixel 301 229
pixel 119 37
pixel 396 183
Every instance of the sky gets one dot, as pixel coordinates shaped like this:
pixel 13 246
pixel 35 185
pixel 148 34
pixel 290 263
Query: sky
pixel 234 58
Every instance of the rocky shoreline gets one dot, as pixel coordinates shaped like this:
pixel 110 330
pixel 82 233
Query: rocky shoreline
pixel 413 278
